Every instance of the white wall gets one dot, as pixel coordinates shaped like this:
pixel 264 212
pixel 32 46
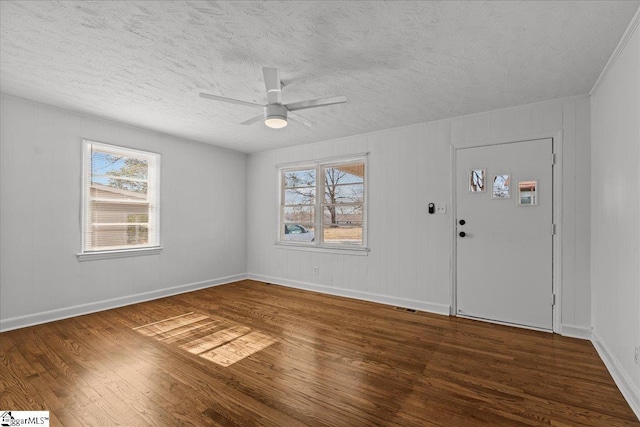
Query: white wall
pixel 615 225
pixel 203 205
pixel 409 263
pixel 402 267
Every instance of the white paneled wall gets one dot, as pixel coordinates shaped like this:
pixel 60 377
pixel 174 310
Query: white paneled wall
pixel 615 210
pixel 398 181
pixel 203 205
pixel 410 258
pixel 392 165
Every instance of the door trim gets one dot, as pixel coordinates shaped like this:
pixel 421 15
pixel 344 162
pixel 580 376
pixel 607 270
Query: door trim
pixel 556 137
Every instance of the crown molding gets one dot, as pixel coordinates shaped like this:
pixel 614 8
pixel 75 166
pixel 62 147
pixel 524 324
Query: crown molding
pixel 633 25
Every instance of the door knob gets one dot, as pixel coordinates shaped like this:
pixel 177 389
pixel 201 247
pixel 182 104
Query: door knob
pixel 462 234
pixel 462 222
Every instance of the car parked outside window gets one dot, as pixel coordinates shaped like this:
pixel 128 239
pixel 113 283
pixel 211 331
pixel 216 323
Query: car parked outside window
pixel 298 233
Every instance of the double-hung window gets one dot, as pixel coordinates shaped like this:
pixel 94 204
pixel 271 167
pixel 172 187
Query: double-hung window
pixel 120 199
pixel 322 204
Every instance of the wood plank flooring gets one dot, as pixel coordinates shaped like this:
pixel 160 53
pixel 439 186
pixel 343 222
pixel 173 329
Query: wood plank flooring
pixel 252 354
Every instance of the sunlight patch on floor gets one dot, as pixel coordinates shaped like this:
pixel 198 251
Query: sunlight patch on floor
pixel 214 339
pixel 239 348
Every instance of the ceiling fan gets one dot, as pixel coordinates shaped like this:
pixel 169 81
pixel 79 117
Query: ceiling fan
pixel 275 112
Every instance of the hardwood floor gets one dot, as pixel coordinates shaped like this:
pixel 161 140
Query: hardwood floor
pixel 251 354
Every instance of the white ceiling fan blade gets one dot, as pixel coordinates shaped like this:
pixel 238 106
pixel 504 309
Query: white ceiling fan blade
pixel 253 120
pixel 321 102
pixel 272 84
pixel 300 119
pixel 229 100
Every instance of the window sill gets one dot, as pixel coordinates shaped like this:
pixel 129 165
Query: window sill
pixel 357 251
pixel 122 253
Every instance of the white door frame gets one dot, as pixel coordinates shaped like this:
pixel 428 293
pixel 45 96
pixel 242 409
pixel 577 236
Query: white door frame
pixel 556 136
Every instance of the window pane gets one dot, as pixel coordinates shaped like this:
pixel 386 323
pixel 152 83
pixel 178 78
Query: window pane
pixel 342 215
pixel 351 173
pixel 351 234
pixel 116 188
pixel 477 181
pixel 298 214
pixel 110 235
pixel 300 178
pixel 300 196
pixel 349 193
pixel 527 193
pixel 108 212
pixel 104 163
pixel 121 172
pixel 298 233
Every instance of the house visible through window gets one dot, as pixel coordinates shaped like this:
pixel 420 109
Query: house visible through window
pixel 120 198
pixel 323 204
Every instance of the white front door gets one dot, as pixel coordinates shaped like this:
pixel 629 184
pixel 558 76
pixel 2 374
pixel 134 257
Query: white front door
pixel 504 211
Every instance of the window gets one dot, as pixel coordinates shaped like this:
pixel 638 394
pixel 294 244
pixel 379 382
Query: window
pixel 323 204
pixel 120 199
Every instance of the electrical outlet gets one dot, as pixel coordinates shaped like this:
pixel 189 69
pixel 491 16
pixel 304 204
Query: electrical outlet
pixel 316 270
pixel 441 208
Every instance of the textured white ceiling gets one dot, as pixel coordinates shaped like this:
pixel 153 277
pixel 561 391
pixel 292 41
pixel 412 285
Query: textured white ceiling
pixel 399 63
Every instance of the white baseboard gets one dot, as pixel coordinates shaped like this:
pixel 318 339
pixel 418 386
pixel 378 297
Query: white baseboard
pixel 366 296
pixel 622 380
pixel 78 310
pixel 575 332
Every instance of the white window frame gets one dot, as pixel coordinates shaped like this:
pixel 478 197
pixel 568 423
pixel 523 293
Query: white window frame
pixel 153 196
pixel 319 244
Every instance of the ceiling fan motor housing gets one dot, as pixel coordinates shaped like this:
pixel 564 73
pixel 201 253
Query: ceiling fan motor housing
pixel 275 115
pixel 275 111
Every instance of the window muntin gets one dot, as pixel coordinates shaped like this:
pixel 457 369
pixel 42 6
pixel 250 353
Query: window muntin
pixel 339 214
pixel 120 198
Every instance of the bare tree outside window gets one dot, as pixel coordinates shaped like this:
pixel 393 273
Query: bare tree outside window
pixel 343 203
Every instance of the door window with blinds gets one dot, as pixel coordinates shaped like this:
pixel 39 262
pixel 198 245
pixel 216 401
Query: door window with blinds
pixel 120 199
pixel 323 204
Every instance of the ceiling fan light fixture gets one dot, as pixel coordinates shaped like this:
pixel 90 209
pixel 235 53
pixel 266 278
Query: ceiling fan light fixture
pixel 275 122
pixel 275 116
